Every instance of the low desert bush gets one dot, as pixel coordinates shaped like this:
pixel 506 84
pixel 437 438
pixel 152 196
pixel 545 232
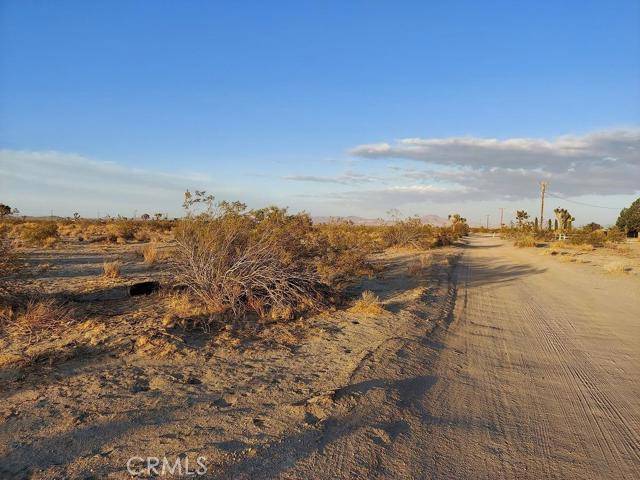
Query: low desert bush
pixel 595 238
pixel 368 304
pixel 340 251
pixel 258 261
pixel 616 266
pixel 40 233
pixel 8 263
pixel 142 236
pixel 409 233
pixel 121 229
pixel 111 269
pixel 525 241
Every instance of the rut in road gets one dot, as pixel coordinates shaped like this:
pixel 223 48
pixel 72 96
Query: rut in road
pixel 532 374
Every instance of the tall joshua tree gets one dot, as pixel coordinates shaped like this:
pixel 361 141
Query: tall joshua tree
pixel 521 217
pixel 564 219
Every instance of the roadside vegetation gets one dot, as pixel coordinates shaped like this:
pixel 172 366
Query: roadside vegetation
pixel 226 261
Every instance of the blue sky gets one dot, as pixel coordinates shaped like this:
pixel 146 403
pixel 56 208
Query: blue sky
pixel 270 102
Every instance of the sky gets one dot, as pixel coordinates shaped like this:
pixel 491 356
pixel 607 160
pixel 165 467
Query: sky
pixel 335 108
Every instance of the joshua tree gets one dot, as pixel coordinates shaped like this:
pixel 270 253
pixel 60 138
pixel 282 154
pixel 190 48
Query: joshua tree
pixel 145 216
pixel 564 219
pixel 76 216
pixel 158 216
pixel 535 224
pixel 459 224
pixel 549 225
pixel 521 218
pixel 5 210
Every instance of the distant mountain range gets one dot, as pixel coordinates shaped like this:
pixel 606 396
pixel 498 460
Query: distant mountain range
pixel 430 219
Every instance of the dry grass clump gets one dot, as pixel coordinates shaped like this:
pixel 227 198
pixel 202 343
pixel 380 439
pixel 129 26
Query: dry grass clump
pixel 368 304
pixel 414 268
pixel 150 253
pixel 616 266
pixel 183 311
pixel 40 233
pixel 38 319
pixel 582 247
pixel 111 269
pixel 525 241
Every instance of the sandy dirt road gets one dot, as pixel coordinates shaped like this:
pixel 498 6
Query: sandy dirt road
pixel 534 374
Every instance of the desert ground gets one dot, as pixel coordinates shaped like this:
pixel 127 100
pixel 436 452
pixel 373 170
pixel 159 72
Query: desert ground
pixel 486 361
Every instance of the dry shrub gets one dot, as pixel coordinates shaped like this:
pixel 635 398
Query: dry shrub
pixel 8 263
pixel 40 233
pixel 341 250
pixel 142 236
pixel 616 266
pixel 121 229
pixel 368 304
pixel 150 253
pixel 111 269
pixel 585 237
pixel 525 241
pixel 39 319
pixel 409 233
pixel 248 261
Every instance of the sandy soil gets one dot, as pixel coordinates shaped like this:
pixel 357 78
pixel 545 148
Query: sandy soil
pixel 117 385
pixel 534 377
pixel 505 364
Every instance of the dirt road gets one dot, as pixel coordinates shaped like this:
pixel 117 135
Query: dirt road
pixel 534 374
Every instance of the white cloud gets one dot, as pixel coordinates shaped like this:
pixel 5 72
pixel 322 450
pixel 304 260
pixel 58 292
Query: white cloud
pixel 602 163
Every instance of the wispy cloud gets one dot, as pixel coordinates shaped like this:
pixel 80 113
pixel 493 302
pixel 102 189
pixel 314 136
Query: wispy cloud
pixel 39 181
pixel 601 163
pixel 347 178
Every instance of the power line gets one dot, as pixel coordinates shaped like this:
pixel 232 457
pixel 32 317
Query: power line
pixel 582 203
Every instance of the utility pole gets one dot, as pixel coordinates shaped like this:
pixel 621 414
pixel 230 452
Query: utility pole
pixel 501 217
pixel 543 189
pixel 487 221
